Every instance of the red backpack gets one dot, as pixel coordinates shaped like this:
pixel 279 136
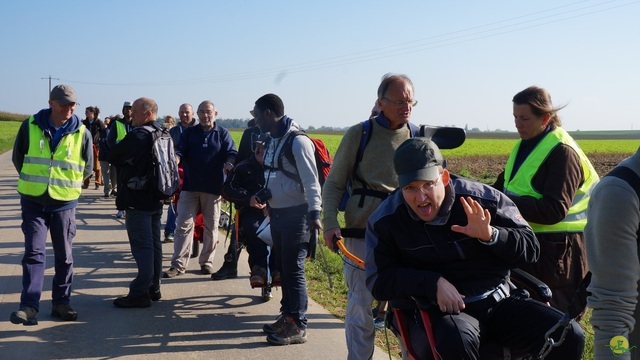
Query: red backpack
pixel 322 155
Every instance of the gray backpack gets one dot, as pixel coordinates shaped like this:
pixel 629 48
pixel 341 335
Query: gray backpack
pixel 164 178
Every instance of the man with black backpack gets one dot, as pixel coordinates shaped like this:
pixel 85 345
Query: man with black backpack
pixel 133 156
pixel 366 174
pixel 294 207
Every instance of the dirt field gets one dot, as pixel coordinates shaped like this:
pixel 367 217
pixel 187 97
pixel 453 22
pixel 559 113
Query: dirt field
pixel 487 168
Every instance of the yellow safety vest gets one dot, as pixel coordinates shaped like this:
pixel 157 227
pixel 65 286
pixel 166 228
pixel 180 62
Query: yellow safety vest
pixel 121 131
pixel 520 185
pixel 61 172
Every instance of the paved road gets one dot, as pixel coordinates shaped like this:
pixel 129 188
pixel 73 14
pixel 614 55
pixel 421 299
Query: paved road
pixel 196 318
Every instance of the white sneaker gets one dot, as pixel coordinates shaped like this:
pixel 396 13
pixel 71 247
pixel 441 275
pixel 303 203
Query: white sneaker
pixel 120 214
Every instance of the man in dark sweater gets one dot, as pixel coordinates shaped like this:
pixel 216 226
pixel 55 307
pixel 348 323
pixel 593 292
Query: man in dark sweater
pixel 207 152
pixel 144 209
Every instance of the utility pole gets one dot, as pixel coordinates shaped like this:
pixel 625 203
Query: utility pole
pixel 49 83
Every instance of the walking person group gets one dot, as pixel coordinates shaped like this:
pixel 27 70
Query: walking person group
pixel 420 197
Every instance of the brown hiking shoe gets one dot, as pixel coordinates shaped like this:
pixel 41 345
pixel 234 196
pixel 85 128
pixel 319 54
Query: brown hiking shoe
pixel 172 272
pixel 64 311
pixel 290 333
pixel 25 316
pixel 275 327
pixel 258 276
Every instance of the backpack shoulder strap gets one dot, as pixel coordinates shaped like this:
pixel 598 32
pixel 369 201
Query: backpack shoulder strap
pixel 365 137
pixel 287 151
pixel 414 130
pixel 630 176
pixel 287 148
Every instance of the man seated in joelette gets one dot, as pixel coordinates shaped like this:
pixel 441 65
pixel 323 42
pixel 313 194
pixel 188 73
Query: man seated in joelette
pixel 453 242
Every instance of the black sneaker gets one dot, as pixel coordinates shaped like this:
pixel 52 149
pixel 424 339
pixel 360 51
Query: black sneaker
pixel 172 272
pixel 225 272
pixel 155 295
pixel 290 333
pixel 133 302
pixel 25 316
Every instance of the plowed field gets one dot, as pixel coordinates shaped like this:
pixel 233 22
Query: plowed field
pixel 486 168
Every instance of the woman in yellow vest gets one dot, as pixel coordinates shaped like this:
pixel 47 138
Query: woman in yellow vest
pixel 549 178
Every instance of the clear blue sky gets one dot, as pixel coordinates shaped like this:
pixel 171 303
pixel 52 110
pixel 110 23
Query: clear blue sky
pixel 467 58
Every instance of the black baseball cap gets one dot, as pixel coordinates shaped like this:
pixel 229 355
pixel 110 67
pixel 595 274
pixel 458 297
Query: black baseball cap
pixel 417 158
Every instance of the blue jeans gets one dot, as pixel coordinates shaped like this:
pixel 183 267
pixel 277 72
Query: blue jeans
pixel 36 223
pixel 170 225
pixel 290 233
pixel 143 229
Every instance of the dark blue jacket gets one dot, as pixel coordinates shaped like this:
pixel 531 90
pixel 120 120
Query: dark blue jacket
pixel 406 255
pixel 133 158
pixel 176 131
pixel 203 158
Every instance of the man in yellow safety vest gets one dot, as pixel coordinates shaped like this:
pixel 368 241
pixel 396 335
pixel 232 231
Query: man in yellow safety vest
pixel 53 153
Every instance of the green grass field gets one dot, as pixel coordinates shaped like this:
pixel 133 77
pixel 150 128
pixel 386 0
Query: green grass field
pixel 487 146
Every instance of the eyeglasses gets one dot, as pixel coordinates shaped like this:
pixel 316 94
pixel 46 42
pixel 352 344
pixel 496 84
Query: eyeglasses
pixel 426 188
pixel 402 102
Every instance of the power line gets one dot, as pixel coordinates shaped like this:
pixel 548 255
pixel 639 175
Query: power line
pixel 535 19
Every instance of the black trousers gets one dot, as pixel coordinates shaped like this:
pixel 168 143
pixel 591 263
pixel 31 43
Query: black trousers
pixel 484 328
pixel 257 249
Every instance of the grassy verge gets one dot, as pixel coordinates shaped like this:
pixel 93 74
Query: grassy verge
pixel 8 131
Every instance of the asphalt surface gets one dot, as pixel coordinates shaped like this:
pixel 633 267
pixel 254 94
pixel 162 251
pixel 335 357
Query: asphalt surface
pixel 196 318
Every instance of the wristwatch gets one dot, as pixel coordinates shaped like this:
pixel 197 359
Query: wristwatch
pixel 494 235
